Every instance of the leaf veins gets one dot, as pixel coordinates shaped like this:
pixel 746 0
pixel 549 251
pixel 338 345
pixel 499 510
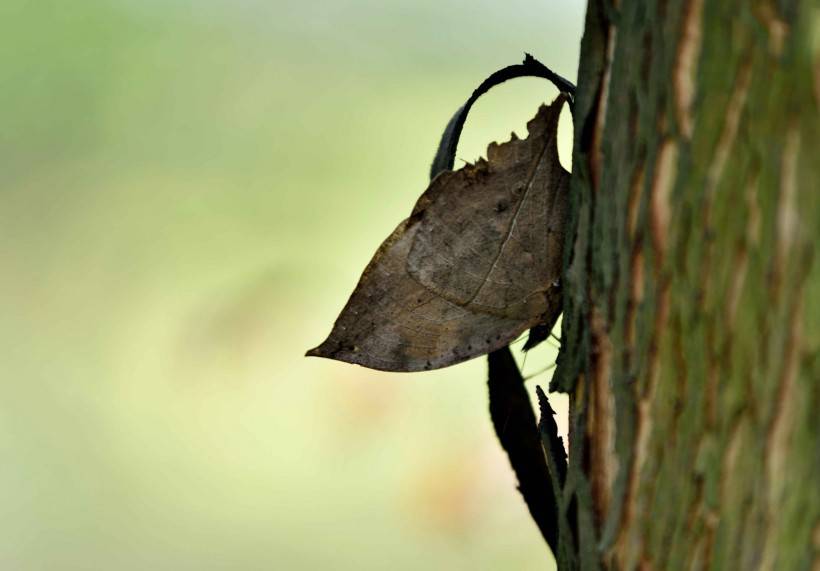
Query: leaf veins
pixel 476 263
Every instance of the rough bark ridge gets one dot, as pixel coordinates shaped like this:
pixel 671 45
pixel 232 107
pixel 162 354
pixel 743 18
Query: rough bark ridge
pixel 691 342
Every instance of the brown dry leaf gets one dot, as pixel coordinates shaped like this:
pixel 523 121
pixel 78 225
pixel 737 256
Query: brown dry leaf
pixel 489 233
pixel 477 263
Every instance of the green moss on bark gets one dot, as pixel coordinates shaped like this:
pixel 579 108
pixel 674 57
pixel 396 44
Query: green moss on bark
pixel 692 287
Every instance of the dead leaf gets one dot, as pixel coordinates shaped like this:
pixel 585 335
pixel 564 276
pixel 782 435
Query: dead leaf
pixel 393 323
pixel 476 264
pixel 488 233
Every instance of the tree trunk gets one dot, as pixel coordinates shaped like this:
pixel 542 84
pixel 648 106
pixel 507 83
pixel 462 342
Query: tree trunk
pixel 691 332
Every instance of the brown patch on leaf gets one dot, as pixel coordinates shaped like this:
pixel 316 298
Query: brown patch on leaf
pixel 476 264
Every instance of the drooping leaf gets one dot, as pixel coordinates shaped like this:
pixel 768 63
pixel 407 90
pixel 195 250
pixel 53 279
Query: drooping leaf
pixel 476 264
pixel 553 444
pixel 538 334
pixel 515 425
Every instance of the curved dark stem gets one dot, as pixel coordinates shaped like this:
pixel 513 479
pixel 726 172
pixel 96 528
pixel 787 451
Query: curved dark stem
pixel 530 67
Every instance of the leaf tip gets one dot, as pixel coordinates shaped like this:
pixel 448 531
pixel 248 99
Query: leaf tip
pixel 543 403
pixel 318 351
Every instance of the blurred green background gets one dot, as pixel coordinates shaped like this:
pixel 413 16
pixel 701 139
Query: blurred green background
pixel 188 194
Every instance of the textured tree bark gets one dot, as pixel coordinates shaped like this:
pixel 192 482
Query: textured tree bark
pixel 691 331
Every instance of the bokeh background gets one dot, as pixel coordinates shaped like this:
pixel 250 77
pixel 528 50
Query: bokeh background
pixel 188 194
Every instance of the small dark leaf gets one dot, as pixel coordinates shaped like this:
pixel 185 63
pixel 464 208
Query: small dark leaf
pixel 476 264
pixel 538 334
pixel 553 444
pixel 515 426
